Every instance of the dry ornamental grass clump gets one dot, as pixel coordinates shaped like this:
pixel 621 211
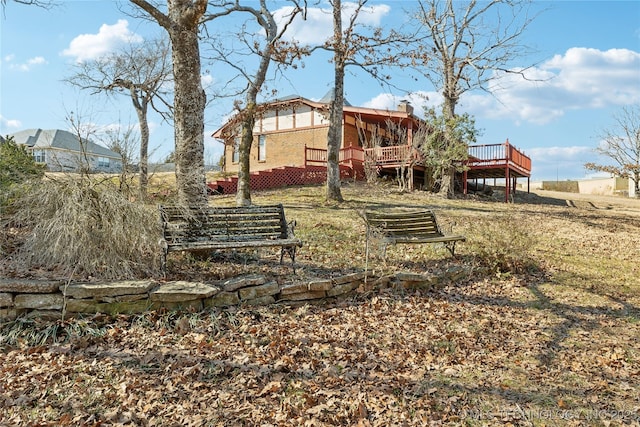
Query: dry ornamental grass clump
pixel 85 228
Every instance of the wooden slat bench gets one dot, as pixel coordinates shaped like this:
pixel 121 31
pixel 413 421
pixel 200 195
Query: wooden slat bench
pixel 407 226
pixel 212 228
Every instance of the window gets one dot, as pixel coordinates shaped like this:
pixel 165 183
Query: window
pixel 236 151
pixel 39 156
pixel 262 148
pixel 103 162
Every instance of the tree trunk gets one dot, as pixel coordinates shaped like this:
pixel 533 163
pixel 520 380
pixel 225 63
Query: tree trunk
pixel 189 104
pixel 447 186
pixel 243 194
pixel 181 23
pixel 141 110
pixel 334 137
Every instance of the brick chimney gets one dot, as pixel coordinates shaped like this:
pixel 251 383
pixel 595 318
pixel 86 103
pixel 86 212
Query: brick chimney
pixel 405 106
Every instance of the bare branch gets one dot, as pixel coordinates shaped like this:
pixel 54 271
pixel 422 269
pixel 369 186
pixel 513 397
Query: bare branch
pixel 621 144
pixel 466 42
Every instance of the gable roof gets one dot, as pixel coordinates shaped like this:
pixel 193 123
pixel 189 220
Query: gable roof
pixel 61 139
pixel 369 114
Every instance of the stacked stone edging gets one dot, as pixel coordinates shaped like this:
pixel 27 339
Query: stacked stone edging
pixel 49 299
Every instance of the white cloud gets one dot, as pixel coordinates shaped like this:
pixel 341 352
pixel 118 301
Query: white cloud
pixel 419 100
pixel 560 162
pixel 555 154
pixel 207 81
pixel 10 123
pixel 91 46
pixel 318 25
pixel 38 60
pixel 10 57
pixel 582 78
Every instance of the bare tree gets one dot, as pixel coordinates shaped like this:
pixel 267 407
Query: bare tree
pixel 334 136
pixel 370 50
pixel 45 4
pixel 267 45
pixel 144 73
pixel 465 43
pixel 182 21
pixel 621 144
pixel 84 132
pixel 124 142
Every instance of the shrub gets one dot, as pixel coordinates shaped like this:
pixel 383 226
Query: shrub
pixel 86 227
pixel 17 167
pixel 502 245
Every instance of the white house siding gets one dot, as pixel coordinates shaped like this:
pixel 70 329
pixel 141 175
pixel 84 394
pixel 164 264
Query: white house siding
pixel 319 119
pixel 286 119
pixel 61 160
pixel 269 121
pixel 304 116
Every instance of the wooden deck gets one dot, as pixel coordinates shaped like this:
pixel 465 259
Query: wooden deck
pixel 497 161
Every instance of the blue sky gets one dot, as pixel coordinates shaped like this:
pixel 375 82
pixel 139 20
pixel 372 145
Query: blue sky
pixel 587 53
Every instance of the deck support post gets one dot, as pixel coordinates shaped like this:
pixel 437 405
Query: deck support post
pixel 464 182
pixel 507 184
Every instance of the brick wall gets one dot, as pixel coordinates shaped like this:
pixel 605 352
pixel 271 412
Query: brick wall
pixel 350 136
pixel 283 148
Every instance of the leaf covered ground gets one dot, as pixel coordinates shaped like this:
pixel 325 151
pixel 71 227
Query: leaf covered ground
pixel 545 330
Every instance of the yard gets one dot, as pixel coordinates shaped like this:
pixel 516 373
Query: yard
pixel 543 330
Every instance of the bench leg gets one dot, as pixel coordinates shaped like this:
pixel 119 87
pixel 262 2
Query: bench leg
pixel 163 264
pixel 451 246
pixel 383 252
pixel 292 253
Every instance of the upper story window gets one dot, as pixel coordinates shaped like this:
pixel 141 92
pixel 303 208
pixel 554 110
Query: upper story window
pixel 262 147
pixel 103 162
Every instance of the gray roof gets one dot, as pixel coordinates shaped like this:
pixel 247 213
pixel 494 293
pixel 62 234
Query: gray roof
pixel 62 139
pixel 330 96
pixel 326 99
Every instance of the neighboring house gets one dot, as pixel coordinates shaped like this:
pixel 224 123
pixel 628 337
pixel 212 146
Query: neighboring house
pixel 61 151
pixel 287 130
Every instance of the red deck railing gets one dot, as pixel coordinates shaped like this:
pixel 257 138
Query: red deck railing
pixel 480 156
pixel 395 154
pixel 497 155
pixel 318 156
pixel 352 159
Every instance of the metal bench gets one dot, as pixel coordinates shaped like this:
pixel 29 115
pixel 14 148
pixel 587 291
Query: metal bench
pixel 406 226
pixel 220 228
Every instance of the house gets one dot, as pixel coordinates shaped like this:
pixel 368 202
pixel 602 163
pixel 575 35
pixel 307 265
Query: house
pixel 288 131
pixel 290 147
pixel 61 150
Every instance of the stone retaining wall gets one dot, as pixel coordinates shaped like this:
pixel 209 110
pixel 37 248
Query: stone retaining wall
pixel 50 299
